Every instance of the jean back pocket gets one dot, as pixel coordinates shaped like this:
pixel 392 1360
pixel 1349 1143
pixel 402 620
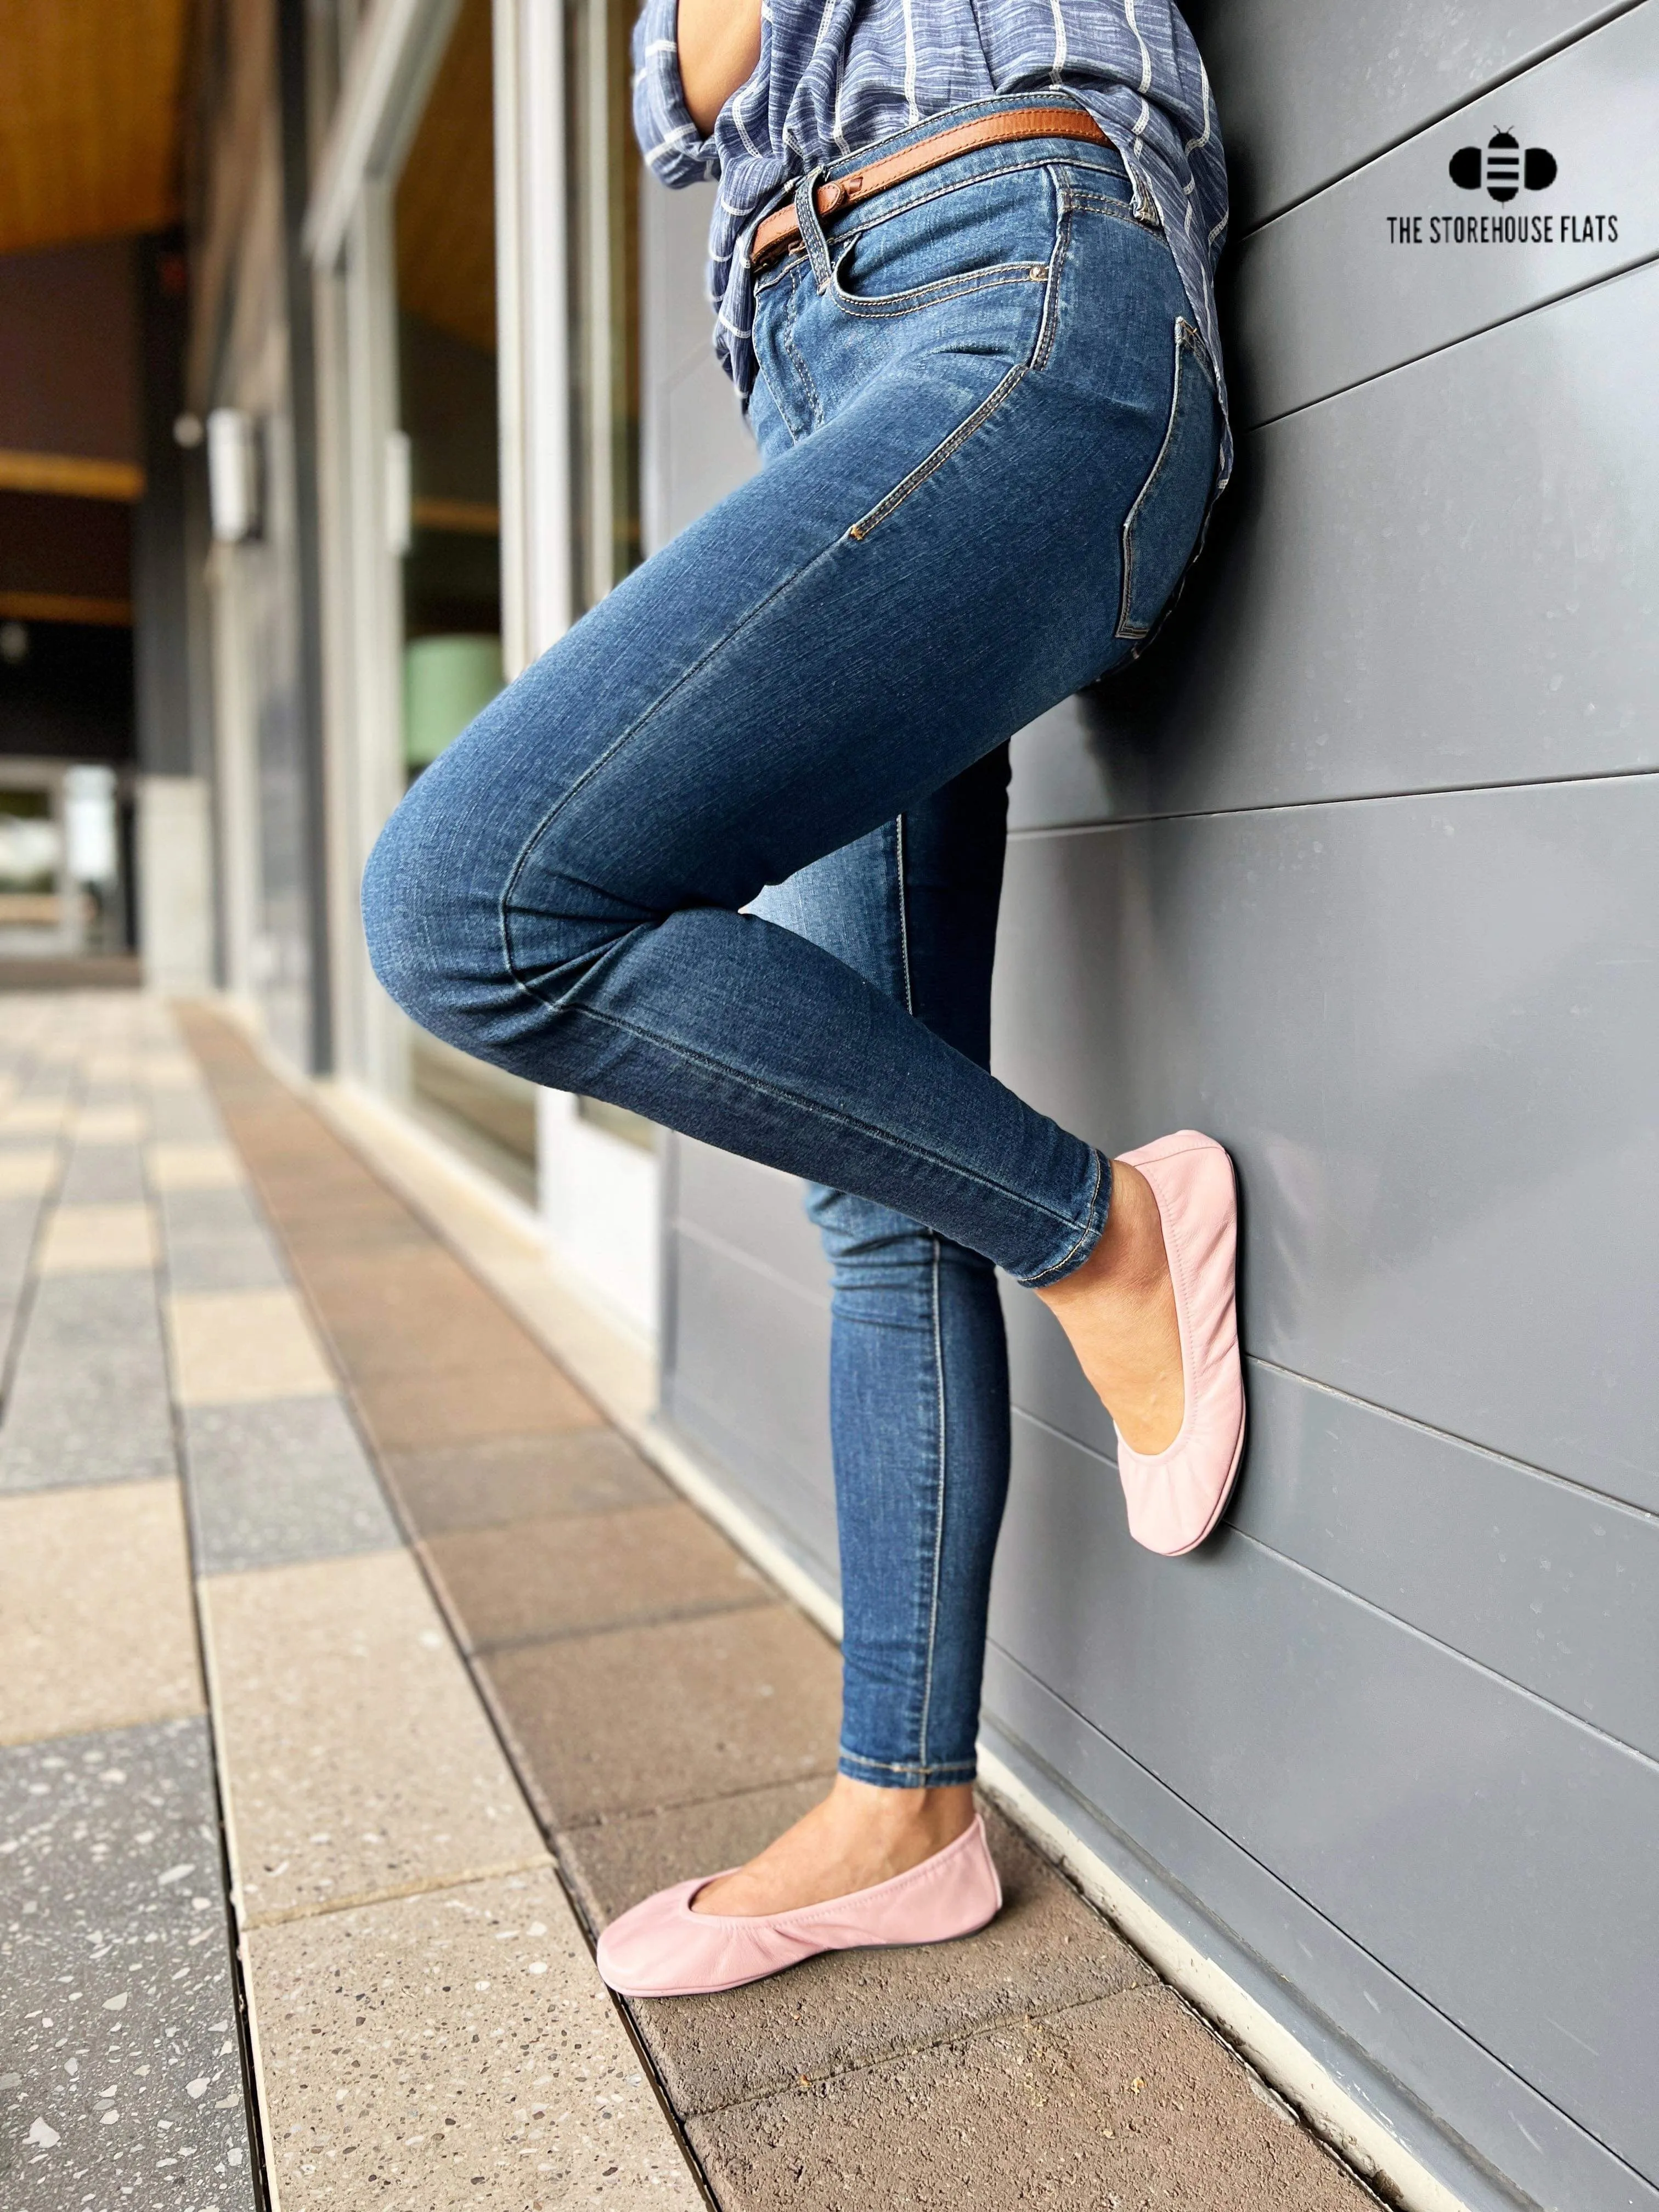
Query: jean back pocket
pixel 1161 529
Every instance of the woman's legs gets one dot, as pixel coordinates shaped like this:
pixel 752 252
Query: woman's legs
pixel 919 1387
pixel 562 892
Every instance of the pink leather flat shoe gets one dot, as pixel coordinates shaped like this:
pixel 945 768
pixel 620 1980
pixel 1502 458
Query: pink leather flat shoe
pixel 661 1948
pixel 1175 1497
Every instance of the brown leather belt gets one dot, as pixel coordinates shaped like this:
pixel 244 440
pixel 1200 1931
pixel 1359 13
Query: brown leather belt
pixel 776 233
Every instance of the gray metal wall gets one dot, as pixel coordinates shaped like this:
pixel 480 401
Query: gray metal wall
pixel 1359 873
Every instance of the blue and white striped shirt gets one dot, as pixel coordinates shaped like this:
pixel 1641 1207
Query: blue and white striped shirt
pixel 834 76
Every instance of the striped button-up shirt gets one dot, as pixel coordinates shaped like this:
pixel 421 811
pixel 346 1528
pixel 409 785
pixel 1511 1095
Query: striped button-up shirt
pixel 834 76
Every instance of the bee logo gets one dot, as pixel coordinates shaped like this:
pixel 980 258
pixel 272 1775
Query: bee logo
pixel 1502 167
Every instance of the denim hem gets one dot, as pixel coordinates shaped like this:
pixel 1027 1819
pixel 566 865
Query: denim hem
pixel 885 1774
pixel 1099 1206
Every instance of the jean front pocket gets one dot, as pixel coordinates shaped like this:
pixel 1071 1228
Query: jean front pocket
pixel 1161 529
pixel 954 240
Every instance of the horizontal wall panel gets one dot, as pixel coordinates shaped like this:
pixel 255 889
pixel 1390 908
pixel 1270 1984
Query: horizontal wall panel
pixel 1306 94
pixel 1330 294
pixel 1380 2041
pixel 1493 1855
pixel 1448 577
pixel 1428 1029
pixel 755 1210
pixel 1553 1587
pixel 746 1377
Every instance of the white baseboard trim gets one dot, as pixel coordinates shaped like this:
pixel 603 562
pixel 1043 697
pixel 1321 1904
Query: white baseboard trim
pixel 501 1241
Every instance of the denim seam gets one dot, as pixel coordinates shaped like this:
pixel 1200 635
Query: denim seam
pixel 940 294
pixel 902 903
pixel 786 583
pixel 812 1106
pixel 903 914
pixel 1078 199
pixel 768 379
pixel 1050 323
pixel 786 340
pixel 938 1514
pixel 941 453
pixel 1187 341
pixel 1053 1272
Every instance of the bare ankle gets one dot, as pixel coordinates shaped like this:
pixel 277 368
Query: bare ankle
pixel 1118 1311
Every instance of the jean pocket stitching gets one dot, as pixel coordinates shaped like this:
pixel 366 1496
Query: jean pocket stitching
pixel 1047 329
pixel 871 216
pixel 939 293
pixel 786 340
pixel 1075 199
pixel 1189 347
pixel 941 453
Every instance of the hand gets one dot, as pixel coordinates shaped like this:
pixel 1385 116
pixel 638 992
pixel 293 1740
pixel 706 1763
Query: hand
pixel 719 42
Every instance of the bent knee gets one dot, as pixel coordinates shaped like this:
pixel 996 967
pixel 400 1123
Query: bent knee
pixel 426 912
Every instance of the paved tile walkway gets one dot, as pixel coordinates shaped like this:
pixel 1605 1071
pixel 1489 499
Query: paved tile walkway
pixel 309 1950
pixel 405 1523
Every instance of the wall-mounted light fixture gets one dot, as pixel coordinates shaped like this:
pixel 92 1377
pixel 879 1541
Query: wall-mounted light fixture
pixel 234 475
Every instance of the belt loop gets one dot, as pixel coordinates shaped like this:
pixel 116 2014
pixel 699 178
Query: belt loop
pixel 812 230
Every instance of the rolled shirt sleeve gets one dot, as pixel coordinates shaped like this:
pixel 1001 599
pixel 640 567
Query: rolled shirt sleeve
pixel 676 151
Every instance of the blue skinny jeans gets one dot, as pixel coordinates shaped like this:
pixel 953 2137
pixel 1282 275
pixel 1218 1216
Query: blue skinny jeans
pixel 730 853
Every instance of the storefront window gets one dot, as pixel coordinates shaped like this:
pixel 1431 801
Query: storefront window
pixel 605 297
pixel 444 484
pixel 605 341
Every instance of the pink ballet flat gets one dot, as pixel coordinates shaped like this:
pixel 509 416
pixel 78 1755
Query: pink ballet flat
pixel 661 1948
pixel 1175 1497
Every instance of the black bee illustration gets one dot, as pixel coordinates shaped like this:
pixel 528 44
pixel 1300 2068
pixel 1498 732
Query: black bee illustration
pixel 1502 167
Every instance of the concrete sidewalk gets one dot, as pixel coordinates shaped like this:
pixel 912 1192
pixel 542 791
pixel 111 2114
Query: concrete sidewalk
pixel 406 1523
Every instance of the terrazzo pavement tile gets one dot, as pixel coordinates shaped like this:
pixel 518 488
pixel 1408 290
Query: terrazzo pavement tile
pixel 124 2081
pixel 454 2049
pixel 215 1240
pixel 103 1175
pixel 188 1215
pixel 26 1121
pixel 1044 1952
pixel 282 1481
pixel 504 1479
pixel 182 1114
pixel 359 1761
pixel 204 1164
pixel 18 1219
pixel 453 1405
pixel 247 1262
pixel 167 1070
pixel 563 1576
pixel 635 1718
pixel 88 1401
pixel 26 1171
pixel 230 1347
pixel 84 1240
pixel 96 1625
pixel 110 1125
pixel 1129 2103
